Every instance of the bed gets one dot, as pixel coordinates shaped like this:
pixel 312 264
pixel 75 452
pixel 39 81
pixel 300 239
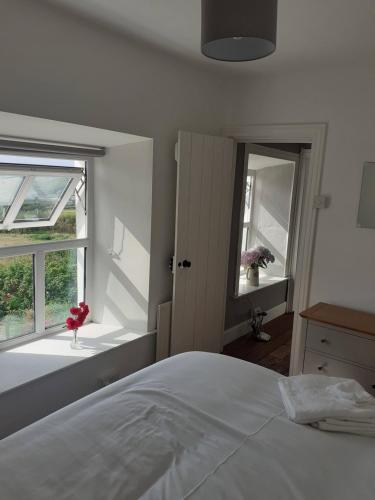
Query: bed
pixel 197 426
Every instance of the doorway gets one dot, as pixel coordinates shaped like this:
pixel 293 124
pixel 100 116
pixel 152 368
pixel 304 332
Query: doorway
pixel 265 220
pixel 268 212
pixel 314 134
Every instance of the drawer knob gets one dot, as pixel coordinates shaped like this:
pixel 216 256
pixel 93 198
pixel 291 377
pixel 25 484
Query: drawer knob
pixel 324 341
pixel 321 367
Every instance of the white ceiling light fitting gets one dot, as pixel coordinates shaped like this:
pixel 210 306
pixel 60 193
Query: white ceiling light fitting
pixel 238 30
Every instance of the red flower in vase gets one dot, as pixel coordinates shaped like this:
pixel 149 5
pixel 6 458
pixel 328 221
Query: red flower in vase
pixel 81 313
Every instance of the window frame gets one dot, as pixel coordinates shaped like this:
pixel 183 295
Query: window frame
pixel 263 150
pixel 38 250
pixel 29 173
pixel 247 225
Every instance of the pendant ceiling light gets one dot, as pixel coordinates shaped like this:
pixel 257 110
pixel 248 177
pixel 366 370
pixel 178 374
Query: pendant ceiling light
pixel 238 30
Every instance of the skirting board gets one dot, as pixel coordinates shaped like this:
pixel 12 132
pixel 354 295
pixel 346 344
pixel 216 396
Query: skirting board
pixel 243 328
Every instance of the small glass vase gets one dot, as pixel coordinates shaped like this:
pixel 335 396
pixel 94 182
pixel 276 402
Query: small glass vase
pixel 75 342
pixel 252 275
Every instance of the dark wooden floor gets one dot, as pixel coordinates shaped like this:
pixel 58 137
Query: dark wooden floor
pixel 274 354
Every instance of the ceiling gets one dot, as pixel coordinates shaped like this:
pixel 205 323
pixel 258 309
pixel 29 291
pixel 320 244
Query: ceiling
pixel 311 33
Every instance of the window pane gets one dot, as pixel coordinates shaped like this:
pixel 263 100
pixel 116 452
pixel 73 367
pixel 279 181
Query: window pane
pixel 70 225
pixel 9 185
pixel 64 282
pixel 244 239
pixel 42 197
pixel 16 297
pixel 247 211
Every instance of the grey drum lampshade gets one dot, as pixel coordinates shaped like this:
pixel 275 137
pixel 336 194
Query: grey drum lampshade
pixel 238 30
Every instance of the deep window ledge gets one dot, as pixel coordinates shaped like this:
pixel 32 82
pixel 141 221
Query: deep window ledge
pixel 265 280
pixel 32 360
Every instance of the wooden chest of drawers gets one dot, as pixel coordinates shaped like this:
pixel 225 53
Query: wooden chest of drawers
pixel 340 342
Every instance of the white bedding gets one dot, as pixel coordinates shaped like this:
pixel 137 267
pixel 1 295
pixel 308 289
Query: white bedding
pixel 197 426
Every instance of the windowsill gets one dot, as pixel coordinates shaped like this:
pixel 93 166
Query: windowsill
pixel 265 280
pixel 41 357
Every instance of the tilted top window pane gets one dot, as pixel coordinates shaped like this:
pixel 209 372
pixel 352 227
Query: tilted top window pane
pixel 9 185
pixel 42 198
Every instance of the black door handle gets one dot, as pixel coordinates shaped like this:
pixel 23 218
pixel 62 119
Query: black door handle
pixel 185 263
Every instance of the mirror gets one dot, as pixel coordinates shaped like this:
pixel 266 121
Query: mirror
pixel 366 210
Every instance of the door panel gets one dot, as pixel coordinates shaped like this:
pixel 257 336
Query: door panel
pixel 203 214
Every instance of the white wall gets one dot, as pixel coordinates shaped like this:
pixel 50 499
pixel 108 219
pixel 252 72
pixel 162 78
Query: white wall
pixel 56 66
pixel 122 214
pixel 343 269
pixel 272 201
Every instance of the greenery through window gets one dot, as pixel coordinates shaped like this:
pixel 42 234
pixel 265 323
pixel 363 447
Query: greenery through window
pixel 17 296
pixel 65 228
pixel 61 285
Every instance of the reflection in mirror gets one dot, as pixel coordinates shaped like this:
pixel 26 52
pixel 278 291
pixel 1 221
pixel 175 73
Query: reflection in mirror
pixel 366 210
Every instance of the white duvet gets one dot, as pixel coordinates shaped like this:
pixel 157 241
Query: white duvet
pixel 197 426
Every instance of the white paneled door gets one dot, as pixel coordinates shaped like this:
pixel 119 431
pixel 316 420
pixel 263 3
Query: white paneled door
pixel 203 217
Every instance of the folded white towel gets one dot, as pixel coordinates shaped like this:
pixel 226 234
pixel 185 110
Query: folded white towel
pixel 354 424
pixel 334 425
pixel 313 398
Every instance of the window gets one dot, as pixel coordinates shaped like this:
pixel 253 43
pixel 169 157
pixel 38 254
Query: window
pixel 248 210
pixel 43 243
pixel 266 212
pixel 248 214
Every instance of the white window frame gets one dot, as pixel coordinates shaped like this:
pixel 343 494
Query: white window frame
pixel 39 250
pixel 29 173
pixel 273 153
pixel 247 225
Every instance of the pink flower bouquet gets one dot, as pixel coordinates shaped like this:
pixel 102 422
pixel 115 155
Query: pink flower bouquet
pixel 257 257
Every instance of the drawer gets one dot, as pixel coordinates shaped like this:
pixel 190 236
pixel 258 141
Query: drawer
pixel 340 344
pixel 318 363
